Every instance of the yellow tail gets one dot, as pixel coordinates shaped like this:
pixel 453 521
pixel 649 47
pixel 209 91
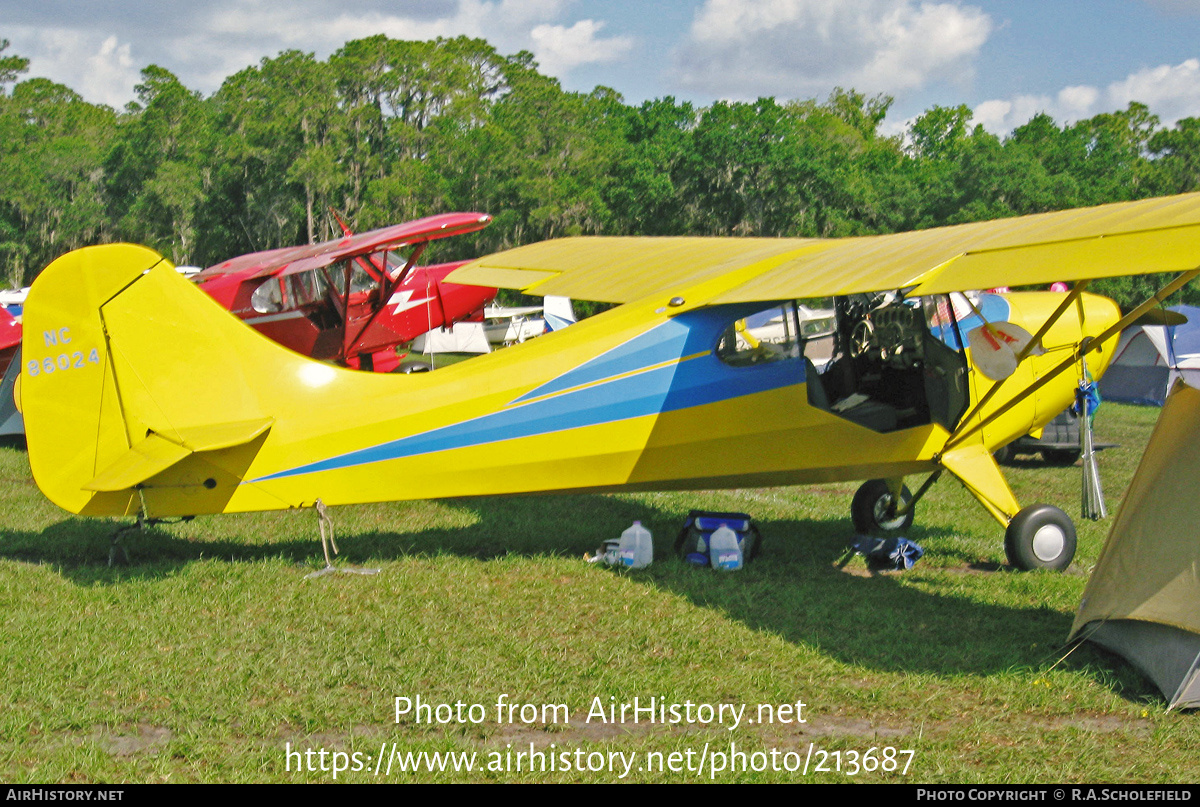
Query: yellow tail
pixel 119 383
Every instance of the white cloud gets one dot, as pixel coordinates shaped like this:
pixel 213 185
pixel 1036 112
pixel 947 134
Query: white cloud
pixel 795 48
pixel 97 66
pixel 1076 101
pixel 100 49
pixel 110 67
pixel 243 34
pixel 1171 91
pixel 558 48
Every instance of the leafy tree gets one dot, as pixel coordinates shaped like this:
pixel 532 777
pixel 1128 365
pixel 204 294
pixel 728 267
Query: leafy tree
pixel 158 171
pixel 1177 167
pixel 645 196
pixel 741 169
pixel 542 160
pixel 280 132
pixel 51 200
pixel 11 66
pixel 1115 144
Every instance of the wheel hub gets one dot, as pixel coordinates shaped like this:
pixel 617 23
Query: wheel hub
pixel 1048 542
pixel 885 514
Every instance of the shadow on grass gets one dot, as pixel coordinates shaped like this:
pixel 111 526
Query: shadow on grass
pixel 523 526
pixel 794 590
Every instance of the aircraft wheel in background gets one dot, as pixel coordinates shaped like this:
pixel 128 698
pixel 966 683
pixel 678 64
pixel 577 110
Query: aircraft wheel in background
pixel 871 507
pixel 1040 536
pixel 1061 456
pixel 415 367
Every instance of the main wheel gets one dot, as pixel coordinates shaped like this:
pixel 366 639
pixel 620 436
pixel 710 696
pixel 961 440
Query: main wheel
pixel 1040 537
pixel 873 510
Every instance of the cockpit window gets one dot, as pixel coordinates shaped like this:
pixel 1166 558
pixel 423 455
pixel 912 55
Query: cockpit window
pixel 360 280
pixel 268 297
pixel 305 288
pixel 764 336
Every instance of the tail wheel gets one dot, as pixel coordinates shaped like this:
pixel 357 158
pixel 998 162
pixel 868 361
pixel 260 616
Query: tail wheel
pixel 1040 537
pixel 874 509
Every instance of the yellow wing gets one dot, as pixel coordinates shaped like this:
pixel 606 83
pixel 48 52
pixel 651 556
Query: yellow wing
pixel 1127 238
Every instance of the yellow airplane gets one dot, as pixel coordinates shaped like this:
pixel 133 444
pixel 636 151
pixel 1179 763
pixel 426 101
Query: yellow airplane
pixel 142 396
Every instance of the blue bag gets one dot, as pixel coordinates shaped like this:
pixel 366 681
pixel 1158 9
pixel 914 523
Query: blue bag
pixel 693 540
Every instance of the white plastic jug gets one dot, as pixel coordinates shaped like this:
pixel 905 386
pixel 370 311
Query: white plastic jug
pixel 724 551
pixel 636 549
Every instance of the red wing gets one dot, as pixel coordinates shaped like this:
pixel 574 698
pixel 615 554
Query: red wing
pixel 290 260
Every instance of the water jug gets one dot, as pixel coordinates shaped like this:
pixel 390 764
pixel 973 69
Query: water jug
pixel 636 548
pixel 724 551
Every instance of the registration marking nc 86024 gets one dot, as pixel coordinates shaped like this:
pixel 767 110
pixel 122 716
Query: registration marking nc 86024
pixel 68 359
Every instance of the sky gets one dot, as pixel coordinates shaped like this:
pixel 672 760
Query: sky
pixel 1006 60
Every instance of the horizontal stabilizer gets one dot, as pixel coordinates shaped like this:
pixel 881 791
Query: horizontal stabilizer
pixel 149 457
pixel 223 435
pixel 156 453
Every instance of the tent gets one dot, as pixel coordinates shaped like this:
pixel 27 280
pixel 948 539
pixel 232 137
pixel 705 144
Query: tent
pixel 1143 598
pixel 1149 358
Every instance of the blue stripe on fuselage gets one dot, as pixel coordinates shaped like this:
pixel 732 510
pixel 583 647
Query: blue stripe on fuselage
pixel 670 367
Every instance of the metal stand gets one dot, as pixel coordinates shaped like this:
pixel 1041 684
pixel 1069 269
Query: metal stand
pixel 326 526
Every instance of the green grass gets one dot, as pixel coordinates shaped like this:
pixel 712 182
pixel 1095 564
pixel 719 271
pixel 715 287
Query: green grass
pixel 212 654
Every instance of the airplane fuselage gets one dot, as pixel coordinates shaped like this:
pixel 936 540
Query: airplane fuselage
pixel 199 414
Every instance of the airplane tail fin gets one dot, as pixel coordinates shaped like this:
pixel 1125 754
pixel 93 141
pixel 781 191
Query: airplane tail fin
pixel 120 381
pixel 557 312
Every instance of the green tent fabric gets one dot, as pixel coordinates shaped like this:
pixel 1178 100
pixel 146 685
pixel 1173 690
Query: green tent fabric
pixel 1143 599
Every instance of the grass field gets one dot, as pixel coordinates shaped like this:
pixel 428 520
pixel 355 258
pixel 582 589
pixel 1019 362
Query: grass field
pixel 211 656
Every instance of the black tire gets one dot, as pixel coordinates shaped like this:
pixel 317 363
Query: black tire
pixel 1040 537
pixel 871 504
pixel 415 367
pixel 1061 456
pixel 1004 454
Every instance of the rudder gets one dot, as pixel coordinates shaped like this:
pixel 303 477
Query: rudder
pixel 67 394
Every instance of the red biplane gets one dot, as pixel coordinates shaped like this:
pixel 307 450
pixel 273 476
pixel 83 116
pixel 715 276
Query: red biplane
pixel 352 300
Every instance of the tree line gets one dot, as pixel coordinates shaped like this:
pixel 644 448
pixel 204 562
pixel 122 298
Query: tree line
pixel 387 130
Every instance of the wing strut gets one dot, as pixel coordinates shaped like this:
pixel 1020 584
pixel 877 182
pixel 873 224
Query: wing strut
pixel 963 432
pixel 389 288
